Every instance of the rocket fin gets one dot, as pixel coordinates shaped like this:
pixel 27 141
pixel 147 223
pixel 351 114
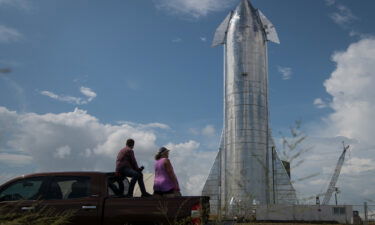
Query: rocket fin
pixel 221 31
pixel 284 192
pixel 269 28
pixel 213 183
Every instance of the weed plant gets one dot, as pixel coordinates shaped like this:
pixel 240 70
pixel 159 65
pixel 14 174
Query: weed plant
pixel 42 216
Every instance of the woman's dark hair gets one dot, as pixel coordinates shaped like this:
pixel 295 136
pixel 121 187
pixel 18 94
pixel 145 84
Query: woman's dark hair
pixel 157 156
pixel 160 152
pixel 130 143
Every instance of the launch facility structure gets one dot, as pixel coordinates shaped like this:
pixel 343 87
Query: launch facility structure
pixel 247 169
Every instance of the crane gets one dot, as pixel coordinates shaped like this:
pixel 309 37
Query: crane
pixel 335 177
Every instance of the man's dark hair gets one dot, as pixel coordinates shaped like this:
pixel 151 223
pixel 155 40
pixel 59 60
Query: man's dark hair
pixel 130 143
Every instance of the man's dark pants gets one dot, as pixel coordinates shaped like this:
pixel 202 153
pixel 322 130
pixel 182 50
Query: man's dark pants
pixel 136 176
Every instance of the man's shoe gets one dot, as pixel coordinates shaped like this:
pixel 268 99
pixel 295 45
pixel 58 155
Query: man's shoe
pixel 146 195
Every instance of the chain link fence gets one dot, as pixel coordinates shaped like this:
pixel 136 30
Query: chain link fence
pixel 364 214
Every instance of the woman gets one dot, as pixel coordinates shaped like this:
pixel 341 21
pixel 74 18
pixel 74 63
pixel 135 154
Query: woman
pixel 165 183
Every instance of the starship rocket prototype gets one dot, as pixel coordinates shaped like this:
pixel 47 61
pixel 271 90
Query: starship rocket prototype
pixel 247 169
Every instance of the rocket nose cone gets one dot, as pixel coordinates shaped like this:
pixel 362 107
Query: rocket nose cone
pixel 246 12
pixel 245 4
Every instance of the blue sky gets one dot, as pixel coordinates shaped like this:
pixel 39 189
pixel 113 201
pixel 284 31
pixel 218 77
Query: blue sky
pixel 85 75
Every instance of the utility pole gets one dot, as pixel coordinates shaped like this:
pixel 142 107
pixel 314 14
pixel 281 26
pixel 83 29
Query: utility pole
pixel 337 191
pixel 366 219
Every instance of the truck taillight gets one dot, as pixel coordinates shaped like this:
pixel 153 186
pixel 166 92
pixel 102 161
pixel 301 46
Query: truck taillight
pixel 196 214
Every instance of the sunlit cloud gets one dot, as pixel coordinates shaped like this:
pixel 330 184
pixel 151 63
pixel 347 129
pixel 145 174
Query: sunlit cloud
pixel 351 121
pixel 177 40
pixel 344 16
pixel 319 103
pixel 78 141
pixel 286 72
pixel 87 92
pixel 209 131
pixel 20 4
pixel 15 160
pixel 8 34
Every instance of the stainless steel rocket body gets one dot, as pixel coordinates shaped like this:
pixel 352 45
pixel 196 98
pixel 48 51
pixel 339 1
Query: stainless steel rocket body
pixel 246 108
pixel 247 169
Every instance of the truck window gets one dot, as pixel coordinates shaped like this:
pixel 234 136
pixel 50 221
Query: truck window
pixel 69 187
pixel 25 189
pixel 117 186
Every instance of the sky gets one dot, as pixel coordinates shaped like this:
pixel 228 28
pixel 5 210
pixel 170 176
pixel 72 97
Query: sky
pixel 77 78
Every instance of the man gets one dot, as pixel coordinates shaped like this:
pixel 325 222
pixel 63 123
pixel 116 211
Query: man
pixel 127 166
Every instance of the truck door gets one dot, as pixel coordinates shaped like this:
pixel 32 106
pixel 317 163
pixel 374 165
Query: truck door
pixel 21 195
pixel 74 193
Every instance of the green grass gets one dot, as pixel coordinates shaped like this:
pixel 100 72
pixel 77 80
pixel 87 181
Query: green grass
pixel 43 216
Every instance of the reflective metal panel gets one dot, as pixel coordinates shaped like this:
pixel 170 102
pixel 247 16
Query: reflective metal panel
pixel 244 170
pixel 246 108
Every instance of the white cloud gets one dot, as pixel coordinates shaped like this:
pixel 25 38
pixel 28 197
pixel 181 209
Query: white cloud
pixel 353 104
pixel 361 35
pixel 177 40
pixel 8 34
pixel 209 131
pixel 318 182
pixel 146 126
pixel 193 8
pixel 70 137
pixel 343 16
pixel 21 4
pixel 286 72
pixel 78 141
pixel 203 39
pixel 68 99
pixel 353 96
pixel 319 103
pixel 191 175
pixel 194 131
pixel 157 125
pixel 62 152
pixel 15 159
pixel 358 165
pixel 87 92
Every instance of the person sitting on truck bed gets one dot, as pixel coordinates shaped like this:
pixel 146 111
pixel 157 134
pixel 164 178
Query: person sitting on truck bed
pixel 126 165
pixel 165 183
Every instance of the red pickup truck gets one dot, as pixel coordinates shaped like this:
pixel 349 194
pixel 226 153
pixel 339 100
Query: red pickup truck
pixel 98 199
